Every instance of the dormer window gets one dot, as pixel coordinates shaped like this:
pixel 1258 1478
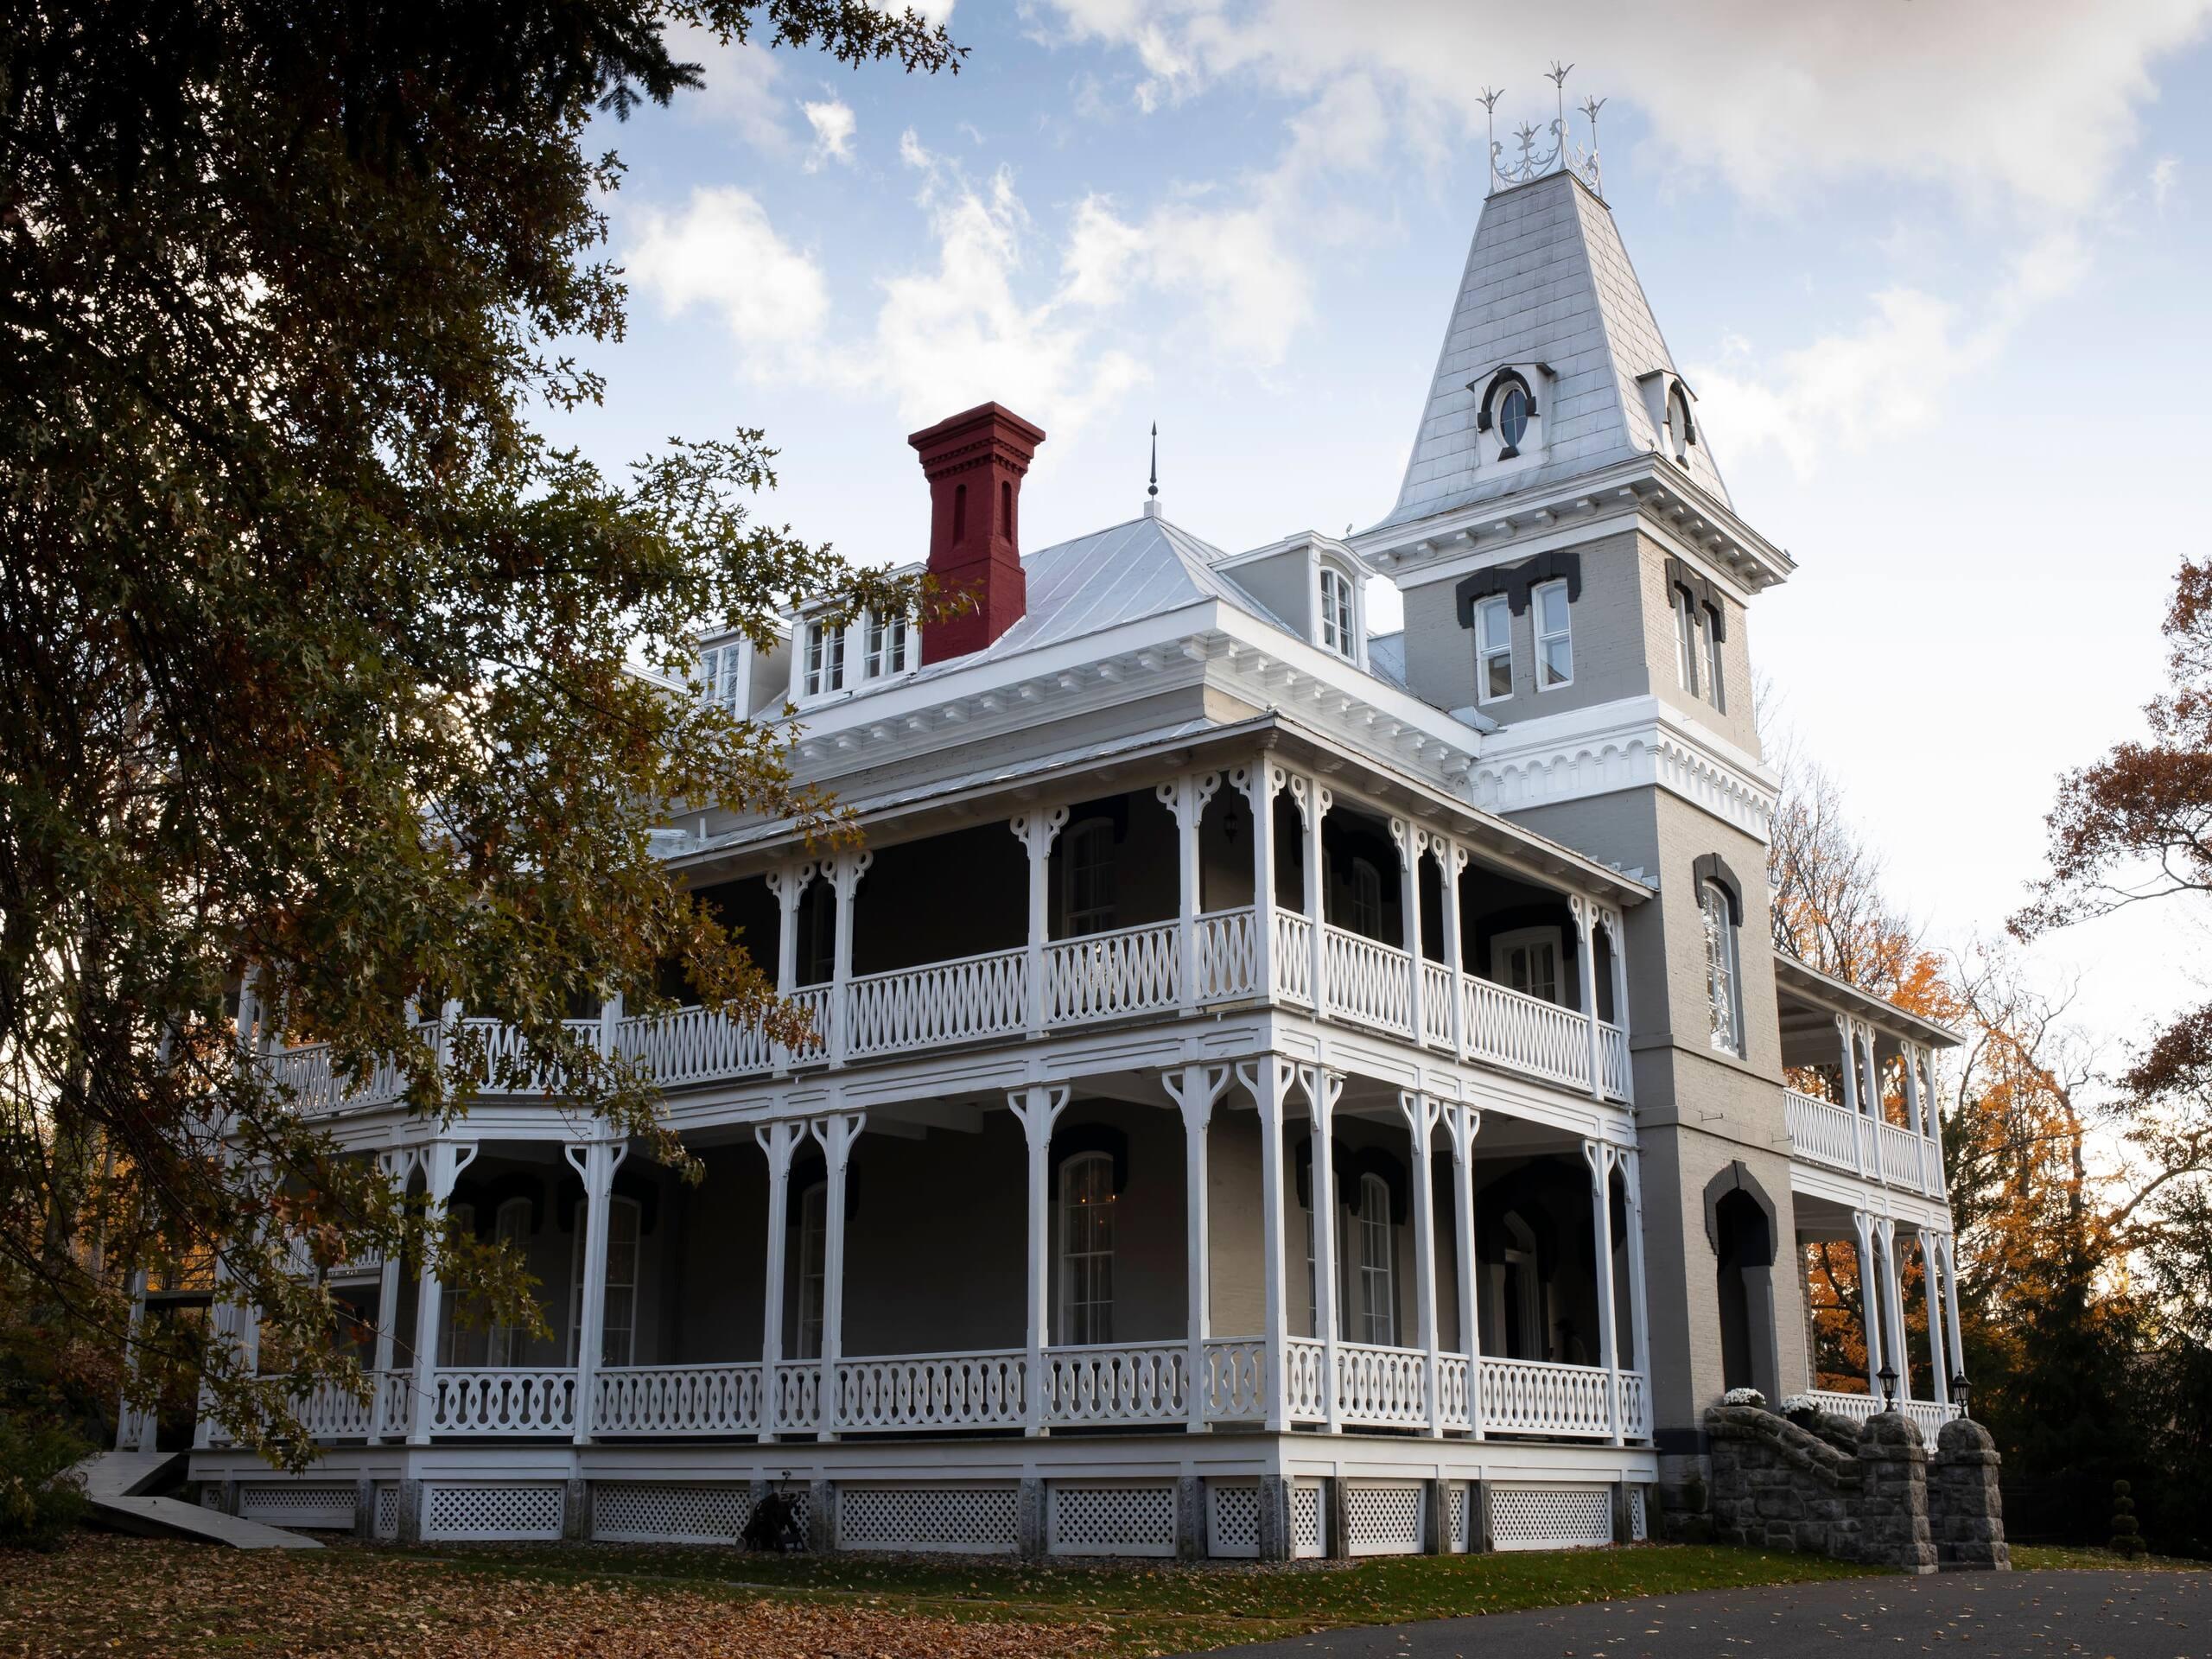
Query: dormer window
pixel 1337 618
pixel 723 671
pixel 1682 432
pixel 824 660
pixel 1508 416
pixel 887 648
pixel 1513 417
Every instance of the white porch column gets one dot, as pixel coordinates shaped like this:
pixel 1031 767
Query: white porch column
pixel 135 1430
pixel 1893 1288
pixel 1037 831
pixel 1617 933
pixel 1461 1123
pixel 1186 798
pixel 1038 1107
pixel 1260 781
pixel 1194 1089
pixel 1316 801
pixel 1267 1078
pixel 1601 1156
pixel 837 1133
pixel 1848 1037
pixel 595 1162
pixel 1587 974
pixel 1323 1090
pixel 1639 1307
pixel 845 873
pixel 1420 1114
pixel 1950 1244
pixel 1452 863
pixel 397 1166
pixel 443 1162
pixel 1410 843
pixel 788 884
pixel 1871 1320
pixel 1932 1292
pixel 778 1141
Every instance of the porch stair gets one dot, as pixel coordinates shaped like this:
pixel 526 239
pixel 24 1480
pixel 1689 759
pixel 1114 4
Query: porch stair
pixel 116 1482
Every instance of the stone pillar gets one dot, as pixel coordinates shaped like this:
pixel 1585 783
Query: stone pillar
pixel 1323 1090
pixel 1893 1513
pixel 1436 1518
pixel 596 1163
pixel 443 1162
pixel 1266 1079
pixel 1030 1521
pixel 1336 1499
pixel 777 1142
pixel 576 1505
pixel 1038 1107
pixel 821 1497
pixel 1420 1112
pixel 411 1499
pixel 836 1134
pixel 1037 831
pixel 1194 1089
pixel 1275 1518
pixel 1190 1518
pixel 1966 1510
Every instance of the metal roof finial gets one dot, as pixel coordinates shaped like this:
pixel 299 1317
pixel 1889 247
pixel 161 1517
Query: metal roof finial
pixel 1530 163
pixel 1153 491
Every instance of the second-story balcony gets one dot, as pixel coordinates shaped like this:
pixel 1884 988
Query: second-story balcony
pixel 1405 921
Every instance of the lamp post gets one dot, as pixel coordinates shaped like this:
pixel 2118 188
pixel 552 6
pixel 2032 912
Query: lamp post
pixel 1959 1394
pixel 1889 1375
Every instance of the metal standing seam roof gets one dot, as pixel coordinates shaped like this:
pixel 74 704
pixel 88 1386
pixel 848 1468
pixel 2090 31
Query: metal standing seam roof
pixel 1547 279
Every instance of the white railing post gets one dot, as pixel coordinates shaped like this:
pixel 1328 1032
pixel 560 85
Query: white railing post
pixel 596 1164
pixel 1601 1156
pixel 1265 1078
pixel 398 1165
pixel 1038 1107
pixel 1931 1293
pixel 1411 843
pixel 1260 781
pixel 1462 1123
pixel 1586 972
pixel 837 1133
pixel 845 873
pixel 1194 1089
pixel 777 1142
pixel 1871 1319
pixel 1323 1090
pixel 1420 1113
pixel 1037 831
pixel 443 1162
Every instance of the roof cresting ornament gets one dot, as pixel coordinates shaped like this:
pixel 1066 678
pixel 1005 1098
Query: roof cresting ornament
pixel 1530 162
pixel 1152 491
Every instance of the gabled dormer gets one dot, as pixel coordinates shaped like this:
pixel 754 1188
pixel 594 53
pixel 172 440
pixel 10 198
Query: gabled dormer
pixel 1315 585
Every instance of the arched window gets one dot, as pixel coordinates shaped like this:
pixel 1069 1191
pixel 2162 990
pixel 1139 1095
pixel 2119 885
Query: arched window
pixel 618 1319
pixel 1366 909
pixel 510 1227
pixel 1088 896
pixel 1087 1247
pixel 813 1267
pixel 1723 994
pixel 1375 1266
pixel 1337 630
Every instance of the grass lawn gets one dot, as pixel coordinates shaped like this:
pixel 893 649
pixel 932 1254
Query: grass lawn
pixel 148 1597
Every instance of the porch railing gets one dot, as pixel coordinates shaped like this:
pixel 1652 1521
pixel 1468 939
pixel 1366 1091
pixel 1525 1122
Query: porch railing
pixel 931 1391
pixel 1822 1132
pixel 1146 1382
pixel 954 1002
pixel 1928 1416
pixel 1367 982
pixel 676 1399
pixel 1385 1388
pixel 502 1400
pixel 1128 970
pixel 1526 1033
pixel 1526 1396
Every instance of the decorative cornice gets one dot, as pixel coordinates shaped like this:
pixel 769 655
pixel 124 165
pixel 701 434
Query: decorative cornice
pixel 1644 747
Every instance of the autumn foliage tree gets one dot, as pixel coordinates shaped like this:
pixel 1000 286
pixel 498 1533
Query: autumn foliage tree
pixel 329 682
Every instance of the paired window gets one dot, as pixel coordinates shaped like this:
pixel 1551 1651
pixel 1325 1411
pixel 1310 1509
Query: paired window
pixel 1365 911
pixel 813 1267
pixel 1337 617
pixel 1367 1267
pixel 1088 894
pixel 505 1344
pixel 1554 636
pixel 1087 1249
pixel 1723 989
pixel 619 1328
pixel 883 645
pixel 1527 961
pixel 1494 649
pixel 723 673
pixel 825 670
pixel 886 647
pixel 1697 648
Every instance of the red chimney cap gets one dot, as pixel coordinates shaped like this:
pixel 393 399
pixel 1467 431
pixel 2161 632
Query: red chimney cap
pixel 954 426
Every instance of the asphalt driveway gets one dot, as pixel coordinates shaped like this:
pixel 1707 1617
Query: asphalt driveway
pixel 1964 1615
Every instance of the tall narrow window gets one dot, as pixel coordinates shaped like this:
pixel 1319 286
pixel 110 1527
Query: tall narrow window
pixel 818 932
pixel 1685 639
pixel 1087 1249
pixel 825 659
pixel 461 1330
pixel 886 647
pixel 813 1269
pixel 1722 995
pixel 1089 894
pixel 1712 631
pixel 618 1319
pixel 1375 1310
pixel 1336 633
pixel 506 1344
pixel 1365 911
pixel 1494 649
pixel 721 669
pixel 1555 639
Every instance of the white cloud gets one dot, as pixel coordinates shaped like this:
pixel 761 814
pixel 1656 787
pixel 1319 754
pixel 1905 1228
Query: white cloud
pixel 834 125
pixel 2163 172
pixel 741 90
pixel 722 255
pixel 1888 377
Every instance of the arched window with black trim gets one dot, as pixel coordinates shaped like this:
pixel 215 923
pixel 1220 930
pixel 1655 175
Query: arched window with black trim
pixel 1723 975
pixel 1087 1247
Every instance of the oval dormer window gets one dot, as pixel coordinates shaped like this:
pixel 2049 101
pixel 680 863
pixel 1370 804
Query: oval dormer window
pixel 1513 417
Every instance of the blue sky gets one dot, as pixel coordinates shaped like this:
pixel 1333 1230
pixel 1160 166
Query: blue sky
pixel 1936 271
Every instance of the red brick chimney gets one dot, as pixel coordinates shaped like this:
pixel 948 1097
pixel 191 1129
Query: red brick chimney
pixel 975 463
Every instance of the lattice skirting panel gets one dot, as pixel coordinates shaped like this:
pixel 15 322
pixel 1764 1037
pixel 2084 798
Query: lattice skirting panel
pixel 328 1507
pixel 1639 1527
pixel 669 1512
pixel 383 1510
pixel 459 1513
pixel 981 1520
pixel 1550 1517
pixel 1459 1514
pixel 1233 1519
pixel 1384 1517
pixel 1309 1532
pixel 1121 1519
